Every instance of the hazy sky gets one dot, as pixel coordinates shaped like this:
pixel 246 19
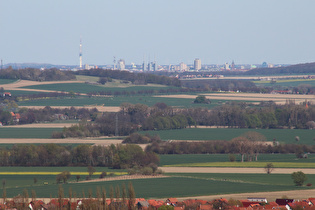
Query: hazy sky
pixel 174 31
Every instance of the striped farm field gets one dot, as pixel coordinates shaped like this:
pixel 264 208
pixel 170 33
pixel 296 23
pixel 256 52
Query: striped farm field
pixel 53 170
pixel 86 88
pixel 55 173
pixel 287 83
pixel 209 158
pixel 118 100
pixel 252 164
pixel 281 135
pixel 177 185
pixel 37 133
pixel 7 81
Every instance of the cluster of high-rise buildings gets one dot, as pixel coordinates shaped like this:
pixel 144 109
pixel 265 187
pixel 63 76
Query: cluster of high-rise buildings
pixel 153 66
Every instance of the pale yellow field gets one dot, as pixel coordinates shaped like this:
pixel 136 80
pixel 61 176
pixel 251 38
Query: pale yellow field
pixel 277 98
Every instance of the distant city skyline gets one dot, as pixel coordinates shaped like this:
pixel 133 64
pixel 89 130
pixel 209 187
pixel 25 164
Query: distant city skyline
pixel 172 32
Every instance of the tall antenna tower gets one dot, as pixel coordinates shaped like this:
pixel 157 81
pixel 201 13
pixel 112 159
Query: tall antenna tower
pixel 80 53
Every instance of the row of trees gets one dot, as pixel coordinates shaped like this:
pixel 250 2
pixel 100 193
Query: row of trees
pixel 136 117
pixel 248 149
pixel 243 116
pixel 47 114
pixel 115 156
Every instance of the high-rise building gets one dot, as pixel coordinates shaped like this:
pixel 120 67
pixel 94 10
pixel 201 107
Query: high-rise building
pixel 144 66
pixel 197 64
pixel 183 66
pixel 121 64
pixel 227 66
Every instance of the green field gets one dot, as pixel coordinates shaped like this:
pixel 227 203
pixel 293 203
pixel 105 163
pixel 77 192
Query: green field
pixel 117 101
pixel 287 83
pixel 180 185
pixel 55 169
pixel 22 92
pixel 7 81
pixel 223 158
pixel 9 146
pixel 251 164
pixel 36 133
pixel 86 88
pixel 282 135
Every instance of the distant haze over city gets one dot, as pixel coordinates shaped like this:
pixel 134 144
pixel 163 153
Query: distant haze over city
pixel 168 32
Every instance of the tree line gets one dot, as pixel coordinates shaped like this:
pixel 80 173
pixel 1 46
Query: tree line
pixel 248 150
pixel 135 117
pixel 115 156
pixel 47 114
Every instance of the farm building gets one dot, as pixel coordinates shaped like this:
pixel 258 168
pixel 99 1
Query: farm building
pixel 6 94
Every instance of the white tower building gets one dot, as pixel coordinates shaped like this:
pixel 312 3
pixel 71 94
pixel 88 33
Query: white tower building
pixel 80 55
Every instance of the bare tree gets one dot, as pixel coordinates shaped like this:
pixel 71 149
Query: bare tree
pixel 269 168
pixel 256 141
pixel 241 145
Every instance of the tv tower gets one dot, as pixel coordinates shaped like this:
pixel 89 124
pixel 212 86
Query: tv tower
pixel 80 53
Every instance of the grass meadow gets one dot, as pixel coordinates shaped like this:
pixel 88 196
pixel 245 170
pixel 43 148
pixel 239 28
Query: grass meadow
pixel 252 164
pixel 36 133
pixel 9 146
pixel 7 81
pixel 286 83
pixel 178 185
pixel 86 88
pixel 187 159
pixel 281 135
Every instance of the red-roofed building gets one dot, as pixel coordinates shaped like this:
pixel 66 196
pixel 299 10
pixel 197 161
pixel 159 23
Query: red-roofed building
pixel 171 201
pixel 6 94
pixel 205 207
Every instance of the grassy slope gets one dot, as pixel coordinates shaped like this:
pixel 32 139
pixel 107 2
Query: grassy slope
pixel 281 135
